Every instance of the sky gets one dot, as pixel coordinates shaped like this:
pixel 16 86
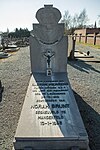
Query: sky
pixel 21 13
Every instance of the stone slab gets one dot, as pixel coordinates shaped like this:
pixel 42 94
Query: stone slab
pixel 50 118
pixel 48 34
pixel 38 61
pixel 79 54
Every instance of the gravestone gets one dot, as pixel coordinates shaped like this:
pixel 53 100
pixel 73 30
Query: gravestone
pixel 50 119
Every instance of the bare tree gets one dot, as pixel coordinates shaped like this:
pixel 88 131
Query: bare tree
pixel 77 21
pixel 66 20
pixel 98 19
pixel 82 19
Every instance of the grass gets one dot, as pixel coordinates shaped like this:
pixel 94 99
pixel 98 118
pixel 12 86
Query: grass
pixel 86 44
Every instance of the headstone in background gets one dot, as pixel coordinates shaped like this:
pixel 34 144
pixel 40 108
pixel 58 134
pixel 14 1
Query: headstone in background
pixel 50 119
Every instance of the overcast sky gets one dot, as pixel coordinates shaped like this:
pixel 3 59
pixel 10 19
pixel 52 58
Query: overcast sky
pixel 21 13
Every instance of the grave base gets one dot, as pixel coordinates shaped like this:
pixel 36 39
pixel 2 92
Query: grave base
pixel 50 119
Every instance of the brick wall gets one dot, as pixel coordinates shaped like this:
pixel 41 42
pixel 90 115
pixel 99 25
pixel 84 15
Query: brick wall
pixel 98 40
pixel 88 35
pixel 90 39
pixel 80 31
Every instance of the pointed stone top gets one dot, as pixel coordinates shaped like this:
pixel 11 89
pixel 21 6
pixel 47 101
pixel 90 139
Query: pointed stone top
pixel 48 15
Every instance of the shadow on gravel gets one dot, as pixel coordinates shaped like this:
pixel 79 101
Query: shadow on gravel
pixel 82 66
pixel 91 121
pixel 1 90
pixel 0 97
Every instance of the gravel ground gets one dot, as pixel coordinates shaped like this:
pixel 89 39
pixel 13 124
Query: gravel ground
pixel 85 81
pixel 15 74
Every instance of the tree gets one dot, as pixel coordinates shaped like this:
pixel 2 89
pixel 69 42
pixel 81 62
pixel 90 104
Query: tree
pixel 66 20
pixel 19 33
pixel 98 19
pixel 82 19
pixel 95 25
pixel 76 21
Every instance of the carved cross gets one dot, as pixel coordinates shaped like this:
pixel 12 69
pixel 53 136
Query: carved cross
pixel 48 54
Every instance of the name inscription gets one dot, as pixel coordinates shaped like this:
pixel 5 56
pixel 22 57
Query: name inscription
pixel 51 102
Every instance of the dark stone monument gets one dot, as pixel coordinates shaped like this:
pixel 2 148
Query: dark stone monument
pixel 50 119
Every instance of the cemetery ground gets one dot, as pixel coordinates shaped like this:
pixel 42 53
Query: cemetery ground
pixel 85 81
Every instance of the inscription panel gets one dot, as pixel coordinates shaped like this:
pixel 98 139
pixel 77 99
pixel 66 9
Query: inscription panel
pixel 51 103
pixel 48 110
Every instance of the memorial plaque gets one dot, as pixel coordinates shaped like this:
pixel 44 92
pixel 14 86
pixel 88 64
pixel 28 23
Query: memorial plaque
pixel 50 116
pixel 50 119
